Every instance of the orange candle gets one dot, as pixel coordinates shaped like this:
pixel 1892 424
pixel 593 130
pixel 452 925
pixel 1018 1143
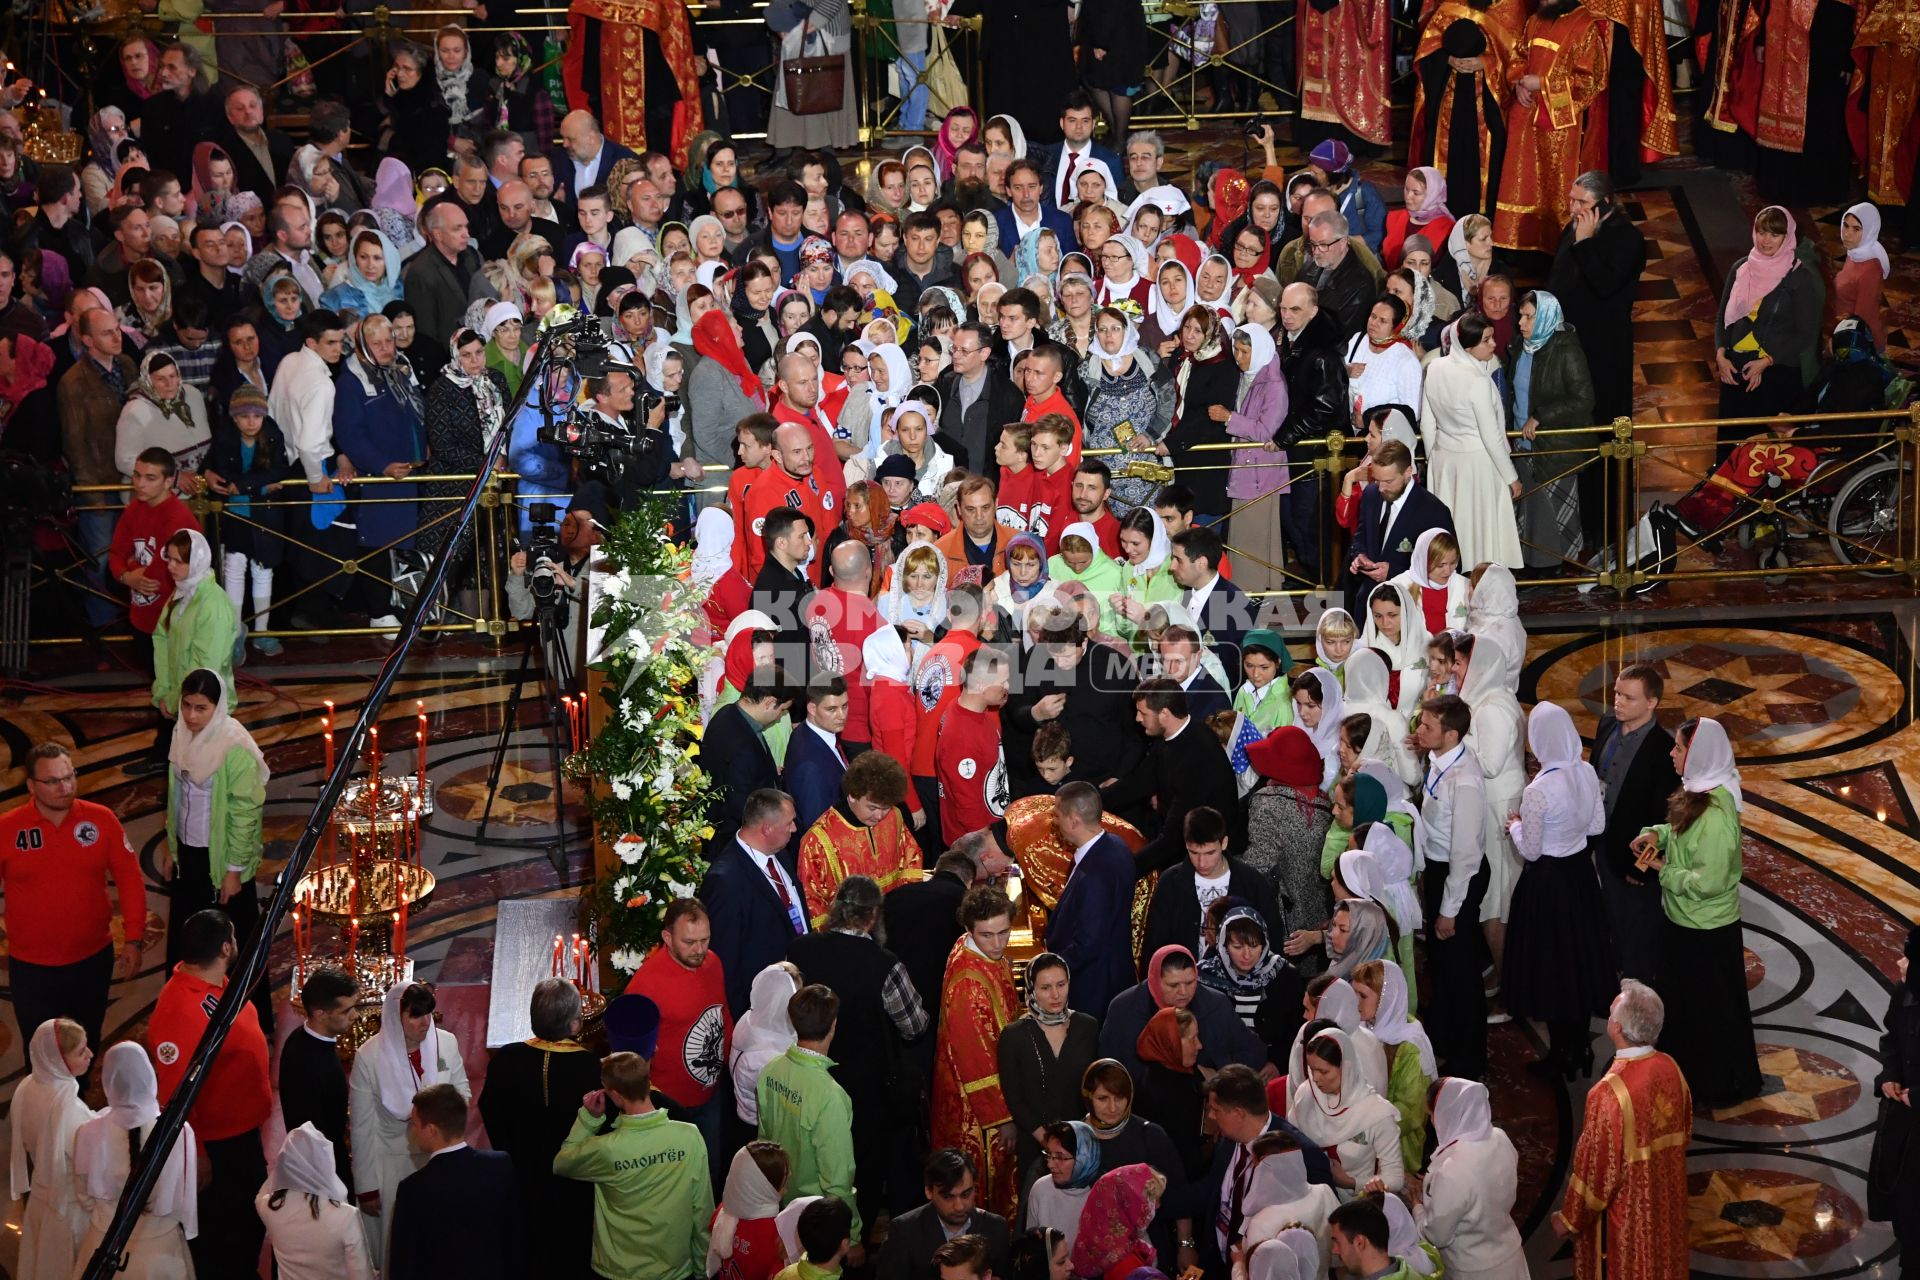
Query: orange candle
pixel 556 956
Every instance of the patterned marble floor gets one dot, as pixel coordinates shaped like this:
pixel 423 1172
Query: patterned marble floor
pixel 1819 702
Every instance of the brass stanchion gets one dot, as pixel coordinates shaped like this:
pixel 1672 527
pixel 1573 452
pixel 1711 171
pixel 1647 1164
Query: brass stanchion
pixel 1622 448
pixel 1330 464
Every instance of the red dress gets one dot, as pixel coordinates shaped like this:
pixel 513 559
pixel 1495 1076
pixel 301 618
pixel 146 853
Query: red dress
pixel 977 1001
pixel 757 1252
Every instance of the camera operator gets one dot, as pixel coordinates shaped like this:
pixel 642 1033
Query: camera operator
pixel 580 533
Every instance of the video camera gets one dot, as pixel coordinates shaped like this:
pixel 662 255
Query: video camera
pixel 614 451
pixel 543 551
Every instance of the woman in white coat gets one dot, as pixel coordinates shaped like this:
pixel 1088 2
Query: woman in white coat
pixel 1340 1111
pixel 1498 739
pixel 46 1113
pixel 1469 466
pixel 102 1154
pixel 762 1034
pixel 1466 1203
pixel 380 1096
pixel 1280 1196
pixel 1340 1005
pixel 310 1218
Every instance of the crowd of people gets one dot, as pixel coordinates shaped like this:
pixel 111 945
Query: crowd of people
pixel 988 421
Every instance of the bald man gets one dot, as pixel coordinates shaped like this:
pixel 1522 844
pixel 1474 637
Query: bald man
pixel 514 200
pixel 585 156
pixel 798 381
pixel 840 617
pixel 792 481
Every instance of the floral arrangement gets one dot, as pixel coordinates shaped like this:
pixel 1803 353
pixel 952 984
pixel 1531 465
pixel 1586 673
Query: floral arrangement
pixel 653 807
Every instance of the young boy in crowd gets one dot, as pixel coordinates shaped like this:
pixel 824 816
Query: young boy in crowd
pixel 1012 452
pixel 1051 509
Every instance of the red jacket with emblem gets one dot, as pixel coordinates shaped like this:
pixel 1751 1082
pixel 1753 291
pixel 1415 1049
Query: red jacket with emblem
pixel 238 1094
pixel 55 879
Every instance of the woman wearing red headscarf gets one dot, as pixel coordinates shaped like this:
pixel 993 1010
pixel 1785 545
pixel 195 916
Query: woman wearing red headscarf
pixel 721 390
pixel 1173 1095
pixel 1287 820
pixel 1227 196
pixel 1112 1243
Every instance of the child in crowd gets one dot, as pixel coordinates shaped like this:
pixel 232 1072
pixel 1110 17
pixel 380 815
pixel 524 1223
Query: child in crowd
pixel 1265 698
pixel 1053 753
pixel 1436 583
pixel 1333 638
pixel 1013 454
pixel 1025 578
pixel 1051 508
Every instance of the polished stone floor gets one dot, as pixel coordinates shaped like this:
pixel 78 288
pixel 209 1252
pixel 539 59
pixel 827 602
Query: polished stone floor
pixel 1819 704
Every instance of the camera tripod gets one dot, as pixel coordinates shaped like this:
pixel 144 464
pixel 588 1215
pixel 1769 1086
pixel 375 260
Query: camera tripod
pixel 556 670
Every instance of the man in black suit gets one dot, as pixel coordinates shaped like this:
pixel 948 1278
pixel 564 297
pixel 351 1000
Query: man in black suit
pixel 1237 1111
pixel 1221 611
pixel 1181 661
pixel 1190 771
pixel 976 400
pixel 1173 914
pixel 1092 926
pixel 458 1217
pixel 734 750
pixel 948 1212
pixel 782 589
pixel 585 156
pixel 923 923
pixel 1065 162
pixel 246 139
pixel 752 895
pixel 1633 756
pixel 1395 509
pixel 1085 688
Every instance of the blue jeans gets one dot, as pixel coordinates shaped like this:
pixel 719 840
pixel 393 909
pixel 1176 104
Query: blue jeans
pixel 913 98
pixel 95 523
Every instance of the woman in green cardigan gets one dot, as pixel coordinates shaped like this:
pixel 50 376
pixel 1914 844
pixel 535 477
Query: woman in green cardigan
pixel 197 626
pixel 216 791
pixel 1703 972
pixel 1382 991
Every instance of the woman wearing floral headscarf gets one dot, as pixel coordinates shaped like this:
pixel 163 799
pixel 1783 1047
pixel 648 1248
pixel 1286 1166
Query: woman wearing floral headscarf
pixel 1127 407
pixel 464 411
pixel 165 412
pixel 517 101
pixel 1113 1243
pixel 463 93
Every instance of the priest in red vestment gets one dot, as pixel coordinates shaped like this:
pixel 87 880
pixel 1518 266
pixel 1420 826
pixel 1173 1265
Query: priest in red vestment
pixel 631 63
pixel 1343 73
pixel 862 835
pixel 1461 95
pixel 1626 1204
pixel 977 1000
pixel 1559 76
pixel 1881 118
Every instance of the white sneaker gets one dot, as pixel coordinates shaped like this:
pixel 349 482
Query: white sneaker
pixel 384 620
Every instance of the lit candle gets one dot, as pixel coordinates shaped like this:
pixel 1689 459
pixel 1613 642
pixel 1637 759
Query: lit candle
pixel 353 941
pixel 573 955
pixel 327 737
pixel 556 957
pixel 420 754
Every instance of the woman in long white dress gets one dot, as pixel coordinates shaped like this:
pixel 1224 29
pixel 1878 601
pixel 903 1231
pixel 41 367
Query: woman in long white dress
pixel 1498 739
pixel 45 1114
pixel 1279 1196
pixel 1469 466
pixel 380 1096
pixel 1339 1110
pixel 103 1152
pixel 1466 1203
pixel 1366 695
pixel 310 1218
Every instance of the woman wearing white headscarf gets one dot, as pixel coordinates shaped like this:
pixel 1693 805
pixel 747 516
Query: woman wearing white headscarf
pixel 197 627
pixel 103 1150
pixel 1559 964
pixel 1386 740
pixel 1339 1004
pixel 1126 408
pixel 1294 1254
pixel 1469 465
pixel 1396 628
pixel 1339 1110
pixel 1259 473
pixel 380 1098
pixel 45 1114
pixel 1466 1202
pixel 1497 739
pixel 1321 717
pixel 1383 991
pixel 1279 1196
pixel 1858 285
pixel 745 1240
pixel 1403 1238
pixel 1493 617
pixel 1358 875
pixel 1696 851
pixel 310 1218
pixel 762 1034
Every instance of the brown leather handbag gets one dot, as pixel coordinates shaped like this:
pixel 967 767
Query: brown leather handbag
pixel 814 86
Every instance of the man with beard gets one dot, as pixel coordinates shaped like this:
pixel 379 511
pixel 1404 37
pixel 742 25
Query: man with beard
pixel 968 187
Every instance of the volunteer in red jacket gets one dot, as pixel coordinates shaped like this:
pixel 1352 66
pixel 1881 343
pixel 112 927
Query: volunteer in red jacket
pixel 154 516
pixel 233 1102
pixel 967 760
pixel 686 980
pixel 790 482
pixel 840 617
pixel 57 852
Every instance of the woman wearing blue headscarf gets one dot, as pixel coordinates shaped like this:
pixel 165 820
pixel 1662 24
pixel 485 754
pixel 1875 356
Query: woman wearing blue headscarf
pixel 372 277
pixel 1548 387
pixel 1058 1192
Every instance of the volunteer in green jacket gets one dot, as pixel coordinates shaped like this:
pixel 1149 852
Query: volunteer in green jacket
pixel 807 1112
pixel 1696 852
pixel 652 1201
pixel 216 790
pixel 197 626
